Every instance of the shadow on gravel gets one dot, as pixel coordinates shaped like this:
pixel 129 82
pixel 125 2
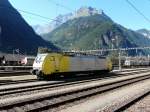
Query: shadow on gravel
pixel 80 77
pixel 67 78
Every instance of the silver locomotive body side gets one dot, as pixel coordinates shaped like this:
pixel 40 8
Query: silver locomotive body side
pixel 87 63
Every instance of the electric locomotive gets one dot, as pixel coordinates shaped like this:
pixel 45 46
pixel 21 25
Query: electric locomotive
pixel 49 64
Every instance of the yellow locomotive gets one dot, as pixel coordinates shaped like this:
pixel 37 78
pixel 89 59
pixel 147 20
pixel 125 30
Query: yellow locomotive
pixel 47 64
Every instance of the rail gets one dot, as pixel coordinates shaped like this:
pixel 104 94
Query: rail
pixel 11 68
pixel 67 94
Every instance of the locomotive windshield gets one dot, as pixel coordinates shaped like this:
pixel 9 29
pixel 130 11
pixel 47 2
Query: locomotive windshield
pixel 39 58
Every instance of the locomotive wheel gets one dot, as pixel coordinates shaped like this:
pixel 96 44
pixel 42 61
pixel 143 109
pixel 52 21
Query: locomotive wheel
pixel 33 72
pixel 39 75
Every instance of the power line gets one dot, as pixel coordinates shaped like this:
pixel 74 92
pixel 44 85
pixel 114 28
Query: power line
pixel 138 11
pixel 34 14
pixel 38 15
pixel 30 13
pixel 45 21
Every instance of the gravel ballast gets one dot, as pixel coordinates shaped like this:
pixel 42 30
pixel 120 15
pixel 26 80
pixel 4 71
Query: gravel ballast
pixel 141 106
pixel 42 93
pixel 71 88
pixel 16 78
pixel 112 101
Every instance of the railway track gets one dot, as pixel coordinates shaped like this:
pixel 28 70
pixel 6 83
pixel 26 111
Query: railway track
pixel 8 82
pixel 60 95
pixel 43 85
pixel 141 104
pixel 130 103
pixel 5 80
pixel 14 73
pixel 130 70
pixel 112 101
pixel 27 72
pixel 16 85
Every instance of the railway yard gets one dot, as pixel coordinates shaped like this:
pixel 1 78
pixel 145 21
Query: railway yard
pixel 126 90
pixel 75 58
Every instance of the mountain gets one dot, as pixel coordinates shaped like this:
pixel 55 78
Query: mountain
pixel 15 33
pixel 60 19
pixel 144 32
pixel 40 29
pixel 93 31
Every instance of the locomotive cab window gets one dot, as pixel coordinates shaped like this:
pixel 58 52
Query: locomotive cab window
pixel 39 58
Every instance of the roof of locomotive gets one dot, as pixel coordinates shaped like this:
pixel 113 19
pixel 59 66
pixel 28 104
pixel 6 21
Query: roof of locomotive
pixel 71 54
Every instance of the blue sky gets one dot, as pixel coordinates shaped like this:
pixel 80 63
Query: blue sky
pixel 119 10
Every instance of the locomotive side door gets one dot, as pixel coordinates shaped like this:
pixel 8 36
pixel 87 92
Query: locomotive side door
pixel 55 63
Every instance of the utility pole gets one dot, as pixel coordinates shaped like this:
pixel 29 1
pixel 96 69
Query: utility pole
pixel 119 53
pixel 119 60
pixel 136 52
pixel 112 46
pixel 0 36
pixel 148 60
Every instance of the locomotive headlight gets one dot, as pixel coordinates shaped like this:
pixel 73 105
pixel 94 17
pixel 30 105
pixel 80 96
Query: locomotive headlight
pixel 37 66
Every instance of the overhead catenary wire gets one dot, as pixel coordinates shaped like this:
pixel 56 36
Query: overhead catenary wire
pixel 40 16
pixel 34 14
pixel 138 11
pixel 30 13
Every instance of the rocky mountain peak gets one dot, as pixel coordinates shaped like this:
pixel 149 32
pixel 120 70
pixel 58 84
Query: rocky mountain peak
pixel 60 19
pixel 88 11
